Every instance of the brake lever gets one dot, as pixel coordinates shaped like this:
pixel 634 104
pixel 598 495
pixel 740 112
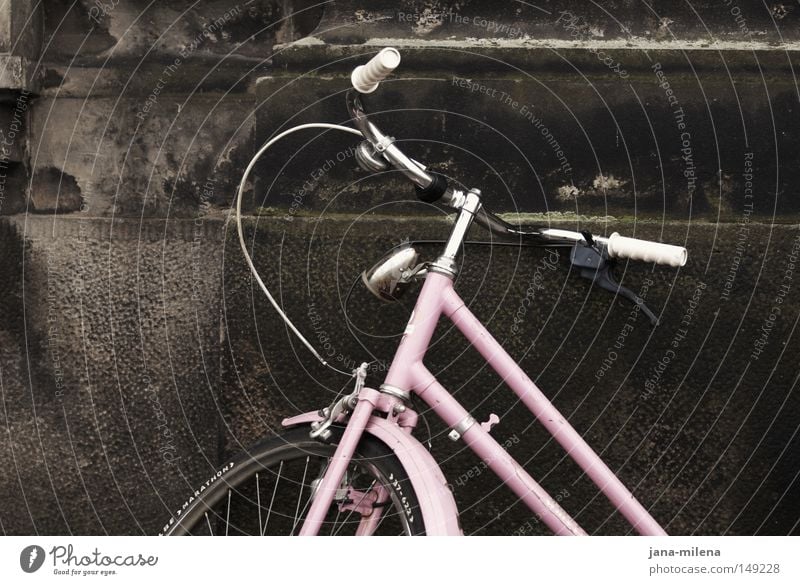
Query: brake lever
pixel 595 265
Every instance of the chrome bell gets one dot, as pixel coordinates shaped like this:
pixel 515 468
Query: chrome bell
pixel 369 160
pixel 387 279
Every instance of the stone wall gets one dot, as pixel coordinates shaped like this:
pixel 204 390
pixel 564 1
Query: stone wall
pixel 138 353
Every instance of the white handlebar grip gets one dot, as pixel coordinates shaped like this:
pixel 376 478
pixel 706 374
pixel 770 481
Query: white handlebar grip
pixel 622 247
pixel 366 78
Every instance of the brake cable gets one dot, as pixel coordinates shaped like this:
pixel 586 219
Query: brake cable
pixel 249 260
pixel 243 244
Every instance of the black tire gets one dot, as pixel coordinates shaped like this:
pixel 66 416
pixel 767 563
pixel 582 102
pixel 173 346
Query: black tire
pixel 213 510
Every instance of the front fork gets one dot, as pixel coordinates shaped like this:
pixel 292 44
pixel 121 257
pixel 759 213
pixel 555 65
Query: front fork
pixel 367 401
pixel 326 491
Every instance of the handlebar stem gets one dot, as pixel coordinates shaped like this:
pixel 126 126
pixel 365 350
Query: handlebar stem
pixel 470 204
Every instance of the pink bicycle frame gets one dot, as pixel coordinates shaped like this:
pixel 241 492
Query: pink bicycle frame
pixel 407 372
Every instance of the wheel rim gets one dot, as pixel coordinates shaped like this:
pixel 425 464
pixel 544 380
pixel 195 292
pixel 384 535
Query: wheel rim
pixel 273 496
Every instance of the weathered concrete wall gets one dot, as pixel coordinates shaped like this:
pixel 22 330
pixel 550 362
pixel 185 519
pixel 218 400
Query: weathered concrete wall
pixel 112 343
pixel 589 145
pixel 110 346
pixel 127 86
pixel 137 352
pixel 351 22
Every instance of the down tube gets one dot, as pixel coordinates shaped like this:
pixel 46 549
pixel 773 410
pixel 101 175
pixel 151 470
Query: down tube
pixel 548 415
pixel 496 458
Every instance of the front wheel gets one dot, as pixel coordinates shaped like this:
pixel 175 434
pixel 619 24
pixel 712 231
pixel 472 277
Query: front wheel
pixel 268 489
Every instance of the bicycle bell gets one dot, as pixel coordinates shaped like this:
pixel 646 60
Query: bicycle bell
pixel 387 279
pixel 369 159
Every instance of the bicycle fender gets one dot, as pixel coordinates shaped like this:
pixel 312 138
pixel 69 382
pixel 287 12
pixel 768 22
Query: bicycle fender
pixel 436 502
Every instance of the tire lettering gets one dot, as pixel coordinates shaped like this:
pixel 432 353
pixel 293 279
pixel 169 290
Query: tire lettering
pixel 403 499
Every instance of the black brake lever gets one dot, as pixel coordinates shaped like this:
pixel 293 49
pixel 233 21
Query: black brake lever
pixel 595 265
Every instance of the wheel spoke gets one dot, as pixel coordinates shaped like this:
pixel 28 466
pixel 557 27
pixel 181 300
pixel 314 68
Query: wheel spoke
pixel 228 514
pixel 305 508
pixel 210 530
pixel 272 500
pixel 336 521
pixel 383 517
pixel 258 503
pixel 311 493
pixel 300 496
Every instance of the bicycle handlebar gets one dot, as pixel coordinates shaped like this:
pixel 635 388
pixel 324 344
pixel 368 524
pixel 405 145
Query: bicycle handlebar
pixel 616 245
pixel 432 187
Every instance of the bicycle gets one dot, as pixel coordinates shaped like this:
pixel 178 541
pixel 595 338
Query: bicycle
pixel 355 466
